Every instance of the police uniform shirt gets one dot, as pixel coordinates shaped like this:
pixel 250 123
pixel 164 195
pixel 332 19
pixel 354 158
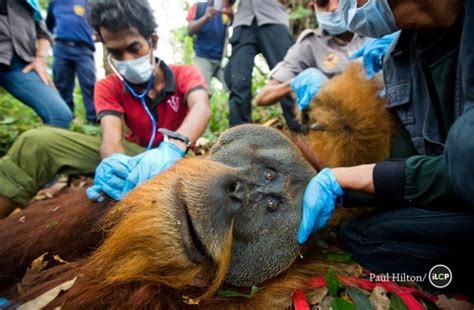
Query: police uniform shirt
pixel 315 48
pixel 264 11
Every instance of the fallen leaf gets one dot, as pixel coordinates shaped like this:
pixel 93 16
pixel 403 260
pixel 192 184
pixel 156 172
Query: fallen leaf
pixel 341 304
pixel 315 296
pixel 270 122
pixel 331 283
pixel 31 273
pixel 359 298
pixel 379 299
pixel 45 299
pixel 339 257
pixel 229 293
pixel 59 259
pixel 52 224
pixel 445 303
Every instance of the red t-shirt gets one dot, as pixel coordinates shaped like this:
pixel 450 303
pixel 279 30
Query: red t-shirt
pixel 170 107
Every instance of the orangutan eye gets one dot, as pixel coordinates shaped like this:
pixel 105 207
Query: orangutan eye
pixel 272 205
pixel 269 176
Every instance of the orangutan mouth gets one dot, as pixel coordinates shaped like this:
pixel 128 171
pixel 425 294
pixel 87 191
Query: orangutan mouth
pixel 193 246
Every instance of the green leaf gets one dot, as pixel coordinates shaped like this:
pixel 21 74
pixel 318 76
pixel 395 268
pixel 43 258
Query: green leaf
pixel 300 12
pixel 396 303
pixel 360 300
pixel 339 257
pixel 7 120
pixel 341 304
pixel 52 224
pixel 229 293
pixel 331 283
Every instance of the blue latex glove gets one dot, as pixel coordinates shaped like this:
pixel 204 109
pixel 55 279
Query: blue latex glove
pixel 110 177
pixel 373 53
pixel 151 163
pixel 319 202
pixel 306 85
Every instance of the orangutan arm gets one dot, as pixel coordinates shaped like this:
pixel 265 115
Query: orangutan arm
pixel 357 179
pixel 111 126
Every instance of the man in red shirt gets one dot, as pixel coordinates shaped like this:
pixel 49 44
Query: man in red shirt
pixel 143 92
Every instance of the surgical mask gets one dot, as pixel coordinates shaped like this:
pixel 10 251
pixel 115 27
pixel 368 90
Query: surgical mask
pixel 374 19
pixel 332 22
pixel 136 71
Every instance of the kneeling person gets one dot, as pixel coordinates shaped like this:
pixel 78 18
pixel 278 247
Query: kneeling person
pixel 144 91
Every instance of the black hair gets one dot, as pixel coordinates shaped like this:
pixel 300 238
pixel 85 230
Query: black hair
pixel 118 15
pixel 322 3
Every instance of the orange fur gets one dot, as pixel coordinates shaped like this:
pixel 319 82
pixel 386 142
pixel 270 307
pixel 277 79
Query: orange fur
pixel 350 124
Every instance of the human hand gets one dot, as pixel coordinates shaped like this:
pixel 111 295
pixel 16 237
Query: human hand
pixel 319 202
pixel 40 65
pixel 151 163
pixel 210 12
pixel 373 53
pixel 306 85
pixel 110 177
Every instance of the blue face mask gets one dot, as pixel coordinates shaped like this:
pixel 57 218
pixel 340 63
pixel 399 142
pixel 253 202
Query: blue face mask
pixel 332 22
pixel 374 19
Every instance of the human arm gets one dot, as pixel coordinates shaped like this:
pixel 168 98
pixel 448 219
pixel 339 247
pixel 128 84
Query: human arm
pixel 273 92
pixel 373 53
pixel 194 26
pixel 40 62
pixel 198 116
pixel 111 127
pixel 153 162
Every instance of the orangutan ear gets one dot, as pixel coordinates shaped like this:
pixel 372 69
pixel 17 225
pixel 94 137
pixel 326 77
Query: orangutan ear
pixel 154 40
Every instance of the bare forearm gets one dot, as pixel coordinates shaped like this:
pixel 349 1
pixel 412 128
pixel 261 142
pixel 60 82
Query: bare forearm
pixel 358 178
pixel 108 148
pixel 273 92
pixel 42 48
pixel 196 25
pixel 196 121
pixel 111 136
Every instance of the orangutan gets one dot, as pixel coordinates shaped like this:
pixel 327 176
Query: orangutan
pixel 227 220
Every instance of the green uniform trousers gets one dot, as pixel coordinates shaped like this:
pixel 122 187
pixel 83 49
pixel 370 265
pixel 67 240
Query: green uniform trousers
pixel 39 154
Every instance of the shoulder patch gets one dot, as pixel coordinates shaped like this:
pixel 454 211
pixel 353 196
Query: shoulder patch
pixel 306 34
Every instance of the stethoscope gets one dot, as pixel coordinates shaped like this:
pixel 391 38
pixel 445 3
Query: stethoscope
pixel 140 97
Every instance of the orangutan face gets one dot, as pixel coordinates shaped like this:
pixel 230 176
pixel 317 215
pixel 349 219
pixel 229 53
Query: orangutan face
pixel 265 230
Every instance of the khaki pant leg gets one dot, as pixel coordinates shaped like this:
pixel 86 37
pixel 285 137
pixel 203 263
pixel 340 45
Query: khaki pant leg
pixel 39 154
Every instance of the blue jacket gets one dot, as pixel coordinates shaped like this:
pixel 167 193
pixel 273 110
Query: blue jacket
pixel 67 19
pixel 209 41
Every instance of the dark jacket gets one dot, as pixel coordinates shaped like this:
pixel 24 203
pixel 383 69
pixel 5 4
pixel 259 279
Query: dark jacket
pixel 422 179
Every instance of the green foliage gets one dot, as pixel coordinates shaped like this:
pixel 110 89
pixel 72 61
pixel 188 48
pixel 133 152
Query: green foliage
pixel 396 303
pixel 331 283
pixel 183 44
pixel 341 304
pixel 229 293
pixel 300 13
pixel 15 118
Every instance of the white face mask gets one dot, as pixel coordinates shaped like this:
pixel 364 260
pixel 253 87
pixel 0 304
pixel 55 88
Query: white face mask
pixel 136 71
pixel 332 22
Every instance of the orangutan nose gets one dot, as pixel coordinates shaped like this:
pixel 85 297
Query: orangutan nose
pixel 238 193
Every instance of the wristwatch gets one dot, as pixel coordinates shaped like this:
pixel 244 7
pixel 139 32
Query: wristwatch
pixel 177 136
